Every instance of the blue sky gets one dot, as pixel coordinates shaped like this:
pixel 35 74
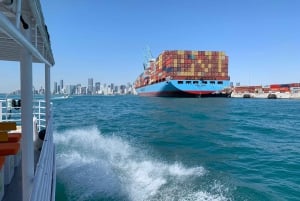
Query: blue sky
pixel 106 39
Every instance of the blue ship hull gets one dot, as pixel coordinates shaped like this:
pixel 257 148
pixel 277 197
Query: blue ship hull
pixel 185 88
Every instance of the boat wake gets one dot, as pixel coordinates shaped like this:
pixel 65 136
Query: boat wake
pixel 92 166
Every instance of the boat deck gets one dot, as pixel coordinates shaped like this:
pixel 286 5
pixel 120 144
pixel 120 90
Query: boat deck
pixel 13 191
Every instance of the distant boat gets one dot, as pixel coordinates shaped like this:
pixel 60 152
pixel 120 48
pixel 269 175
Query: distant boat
pixel 65 96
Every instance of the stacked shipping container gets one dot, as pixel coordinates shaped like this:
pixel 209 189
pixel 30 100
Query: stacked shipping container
pixel 248 89
pixel 282 88
pixel 186 65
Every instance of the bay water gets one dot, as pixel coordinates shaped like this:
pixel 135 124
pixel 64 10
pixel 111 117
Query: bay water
pixel 135 148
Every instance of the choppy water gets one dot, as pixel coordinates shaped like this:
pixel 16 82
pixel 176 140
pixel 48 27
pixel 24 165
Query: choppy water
pixel 138 149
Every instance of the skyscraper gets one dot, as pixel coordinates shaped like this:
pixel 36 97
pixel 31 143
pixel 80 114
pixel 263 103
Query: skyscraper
pixel 55 88
pixel 61 86
pixel 90 86
pixel 97 87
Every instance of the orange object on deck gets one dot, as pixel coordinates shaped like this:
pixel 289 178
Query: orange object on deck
pixel 9 148
pixel 3 136
pixel 10 137
pixel 14 137
pixel 6 126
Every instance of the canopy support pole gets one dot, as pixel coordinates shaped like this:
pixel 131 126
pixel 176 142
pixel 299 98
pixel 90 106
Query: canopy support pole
pixel 27 121
pixel 47 91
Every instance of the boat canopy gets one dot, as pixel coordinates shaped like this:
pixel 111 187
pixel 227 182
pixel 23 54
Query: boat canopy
pixel 15 16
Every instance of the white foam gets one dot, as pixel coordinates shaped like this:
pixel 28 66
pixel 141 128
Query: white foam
pixel 202 196
pixel 90 164
pixel 178 170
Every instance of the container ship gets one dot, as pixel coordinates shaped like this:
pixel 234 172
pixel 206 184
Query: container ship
pixel 182 73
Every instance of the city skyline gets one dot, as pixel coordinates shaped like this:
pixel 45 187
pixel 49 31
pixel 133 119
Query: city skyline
pixel 91 88
pixel 61 88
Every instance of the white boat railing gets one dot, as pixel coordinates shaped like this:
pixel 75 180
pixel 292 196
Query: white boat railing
pixel 44 178
pixel 10 113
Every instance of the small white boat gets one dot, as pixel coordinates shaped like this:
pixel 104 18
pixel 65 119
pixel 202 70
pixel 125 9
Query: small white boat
pixel 24 38
pixel 66 96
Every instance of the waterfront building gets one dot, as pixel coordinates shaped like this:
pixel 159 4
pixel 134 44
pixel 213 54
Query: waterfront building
pixel 61 86
pixel 70 89
pixel 78 89
pixel 55 88
pixel 90 86
pixel 83 91
pixel 97 87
